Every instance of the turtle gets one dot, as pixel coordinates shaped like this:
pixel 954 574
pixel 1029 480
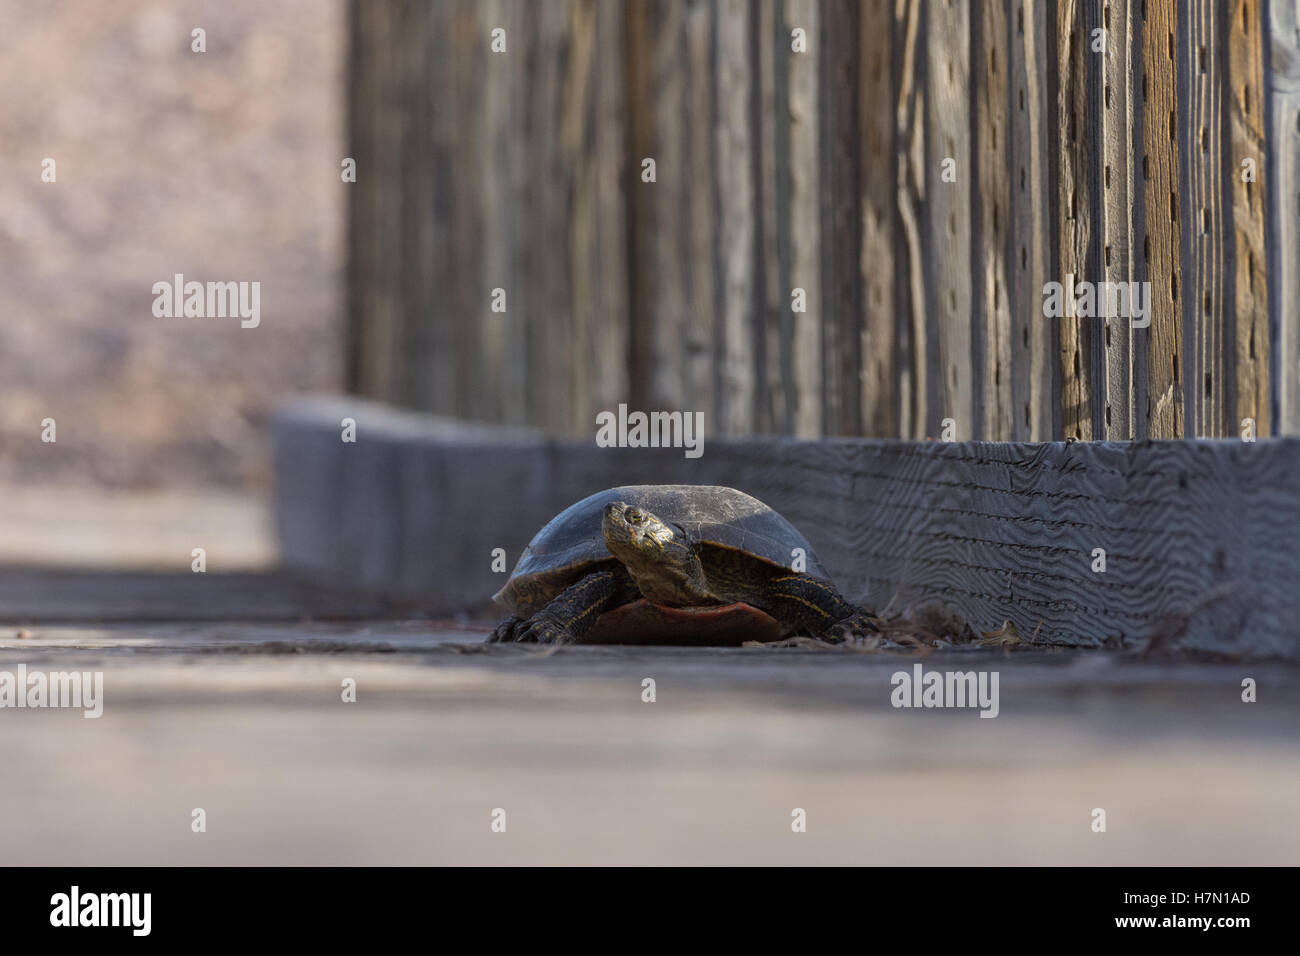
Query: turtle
pixel 672 564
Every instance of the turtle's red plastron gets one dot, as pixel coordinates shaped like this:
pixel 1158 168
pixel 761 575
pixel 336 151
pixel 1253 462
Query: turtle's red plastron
pixel 643 622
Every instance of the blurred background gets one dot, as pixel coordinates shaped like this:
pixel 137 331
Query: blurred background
pixel 222 166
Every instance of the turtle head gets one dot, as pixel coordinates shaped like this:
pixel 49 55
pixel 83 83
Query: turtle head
pixel 657 554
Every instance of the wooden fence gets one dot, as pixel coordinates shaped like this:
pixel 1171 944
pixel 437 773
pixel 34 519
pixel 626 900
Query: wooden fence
pixel 912 174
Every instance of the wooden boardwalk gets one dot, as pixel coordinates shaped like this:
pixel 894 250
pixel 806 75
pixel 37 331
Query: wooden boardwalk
pixel 246 721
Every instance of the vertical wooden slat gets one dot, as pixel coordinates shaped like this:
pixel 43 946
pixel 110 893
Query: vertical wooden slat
pixel 456 377
pixel 377 127
pixel 577 153
pixel 1160 250
pixel 1117 122
pixel 1245 105
pixel 990 64
pixel 1204 219
pixel 637 131
pixel 781 332
pixel 658 93
pixel 881 241
pixel 736 220
pixel 546 288
pixel 593 143
pixel 915 388
pixel 699 247
pixel 1284 208
pixel 947 213
pixel 1094 328
pixel 1034 350
pixel 771 414
pixel 359 229
pixel 1074 215
pixel 805 218
pixel 500 370
pixel 432 347
pixel 672 223
pixel 841 218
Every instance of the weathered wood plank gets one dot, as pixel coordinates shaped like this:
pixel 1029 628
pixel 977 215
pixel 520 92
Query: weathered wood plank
pixel 882 242
pixel 1035 367
pixel 841 218
pixel 376 124
pixel 1118 63
pixel 451 375
pixel 1284 206
pixel 772 414
pixel 1204 235
pixel 914 339
pixel 593 142
pixel 947 215
pixel 1164 410
pixel 737 225
pixel 805 216
pixel 1245 105
pixel 881 239
pixel 1075 213
pixel 993 531
pixel 501 366
pixel 991 305
pixel 547 272
pixel 660 67
pixel 443 729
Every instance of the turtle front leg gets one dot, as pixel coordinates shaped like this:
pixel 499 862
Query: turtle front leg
pixel 571 614
pixel 808 605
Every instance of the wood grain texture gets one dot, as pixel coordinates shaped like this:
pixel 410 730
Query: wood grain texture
pixel 1201 539
pixel 947 217
pixel 1075 222
pixel 805 217
pixel 840 181
pixel 1284 222
pixel 770 110
pixel 1034 364
pixel 661 68
pixel 1117 187
pixel 914 337
pixel 450 350
pixel 502 367
pixel 376 123
pixel 1164 410
pixel 700 247
pixel 547 268
pixel 823 171
pixel 737 223
pixel 882 240
pixel 991 303
pixel 1203 194
pixel 593 143
pixel 1244 96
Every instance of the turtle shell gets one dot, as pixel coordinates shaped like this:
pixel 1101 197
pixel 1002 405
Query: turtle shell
pixel 573 542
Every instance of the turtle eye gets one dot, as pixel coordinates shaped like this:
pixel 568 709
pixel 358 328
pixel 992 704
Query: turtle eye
pixel 634 515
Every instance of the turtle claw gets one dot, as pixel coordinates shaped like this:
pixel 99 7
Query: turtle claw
pixel 543 631
pixel 536 630
pixel 505 631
